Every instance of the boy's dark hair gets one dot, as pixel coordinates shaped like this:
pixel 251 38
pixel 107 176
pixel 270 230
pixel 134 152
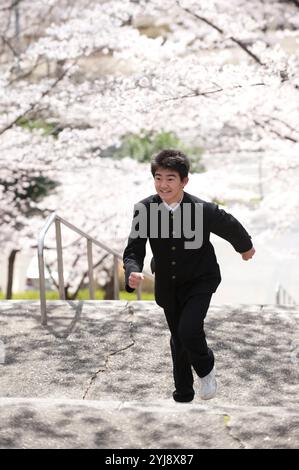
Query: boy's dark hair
pixel 173 159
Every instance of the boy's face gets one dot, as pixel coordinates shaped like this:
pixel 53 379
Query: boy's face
pixel 169 185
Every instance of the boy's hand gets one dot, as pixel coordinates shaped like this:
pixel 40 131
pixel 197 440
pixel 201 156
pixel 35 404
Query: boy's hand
pixel 135 279
pixel 248 254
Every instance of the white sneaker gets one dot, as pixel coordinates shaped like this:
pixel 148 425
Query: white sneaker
pixel 208 386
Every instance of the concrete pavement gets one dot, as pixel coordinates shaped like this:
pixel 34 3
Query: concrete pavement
pixel 99 376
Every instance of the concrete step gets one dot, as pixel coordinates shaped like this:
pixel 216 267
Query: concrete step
pixel 162 424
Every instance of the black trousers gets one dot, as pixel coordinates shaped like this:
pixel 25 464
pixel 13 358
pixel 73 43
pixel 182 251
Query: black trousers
pixel 188 341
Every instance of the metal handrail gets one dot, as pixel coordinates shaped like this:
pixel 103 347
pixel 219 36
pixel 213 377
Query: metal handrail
pixel 282 297
pixel 54 217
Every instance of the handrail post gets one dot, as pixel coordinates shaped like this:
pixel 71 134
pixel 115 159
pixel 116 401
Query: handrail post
pixel 42 288
pixel 59 259
pixel 277 294
pixel 283 297
pixel 90 269
pixel 115 278
pixel 139 292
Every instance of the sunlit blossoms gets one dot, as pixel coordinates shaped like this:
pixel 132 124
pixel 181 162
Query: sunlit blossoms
pixel 221 75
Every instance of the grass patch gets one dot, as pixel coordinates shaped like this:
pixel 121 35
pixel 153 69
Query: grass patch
pixel 226 419
pixel 142 146
pixel 82 295
pixel 47 127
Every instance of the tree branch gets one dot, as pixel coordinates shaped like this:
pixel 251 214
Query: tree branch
pixel 270 118
pixel 33 105
pixel 51 276
pixel 274 131
pixel 220 31
pixel 14 4
pixel 26 74
pixel 206 93
pixel 85 274
pixel 279 170
pixel 9 45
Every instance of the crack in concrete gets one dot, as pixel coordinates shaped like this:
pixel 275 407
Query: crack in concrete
pixel 227 426
pixel 130 310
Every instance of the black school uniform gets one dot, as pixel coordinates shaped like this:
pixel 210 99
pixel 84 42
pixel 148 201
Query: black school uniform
pixel 185 279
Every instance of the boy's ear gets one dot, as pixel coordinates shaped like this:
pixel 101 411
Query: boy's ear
pixel 185 180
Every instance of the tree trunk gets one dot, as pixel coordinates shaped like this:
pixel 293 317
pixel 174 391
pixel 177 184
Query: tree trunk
pixel 11 262
pixel 109 289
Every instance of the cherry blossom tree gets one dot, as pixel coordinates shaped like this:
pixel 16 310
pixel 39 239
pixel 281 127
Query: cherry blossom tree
pixel 221 76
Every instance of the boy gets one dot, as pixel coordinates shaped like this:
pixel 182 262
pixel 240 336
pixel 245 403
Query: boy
pixel 178 226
